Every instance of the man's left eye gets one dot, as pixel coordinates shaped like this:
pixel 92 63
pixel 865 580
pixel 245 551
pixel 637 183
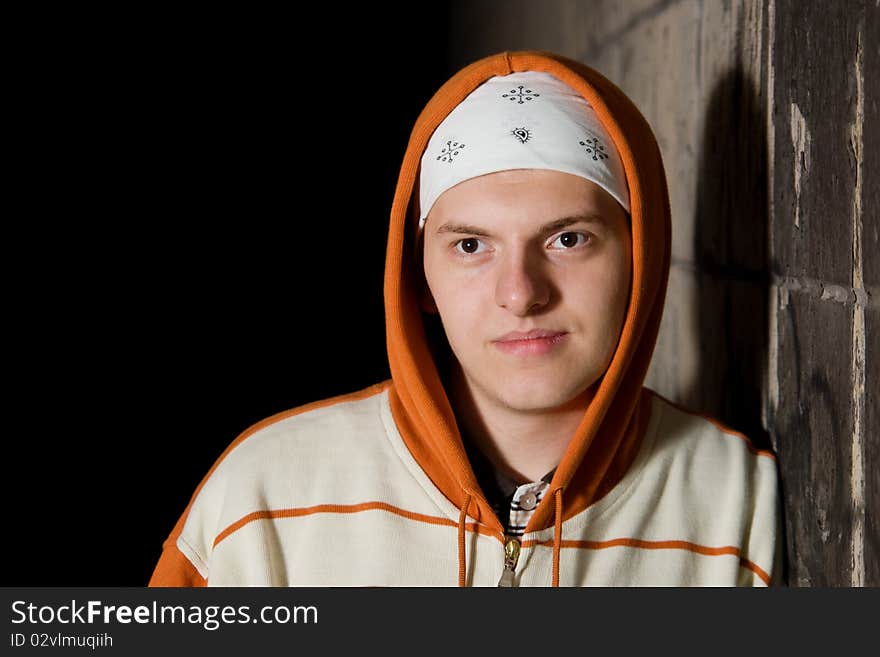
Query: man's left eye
pixel 570 240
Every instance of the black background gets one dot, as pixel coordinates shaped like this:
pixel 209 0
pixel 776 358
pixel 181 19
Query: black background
pixel 195 239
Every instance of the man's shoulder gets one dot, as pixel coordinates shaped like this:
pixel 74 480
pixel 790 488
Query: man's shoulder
pixel 707 469
pixel 684 432
pixel 283 462
pixel 309 432
pixel 338 411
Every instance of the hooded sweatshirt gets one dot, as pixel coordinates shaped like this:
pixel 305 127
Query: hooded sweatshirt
pixel 375 488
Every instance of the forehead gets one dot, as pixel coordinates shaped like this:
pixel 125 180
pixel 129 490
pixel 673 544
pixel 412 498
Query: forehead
pixel 528 197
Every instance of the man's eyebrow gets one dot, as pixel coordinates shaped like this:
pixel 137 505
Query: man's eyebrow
pixel 451 227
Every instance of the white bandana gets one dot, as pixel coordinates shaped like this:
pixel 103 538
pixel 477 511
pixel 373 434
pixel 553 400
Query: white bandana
pixel 524 120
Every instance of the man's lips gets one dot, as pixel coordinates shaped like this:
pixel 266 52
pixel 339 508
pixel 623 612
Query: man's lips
pixel 529 335
pixel 530 343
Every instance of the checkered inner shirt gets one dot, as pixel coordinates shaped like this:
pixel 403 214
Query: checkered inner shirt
pixel 513 503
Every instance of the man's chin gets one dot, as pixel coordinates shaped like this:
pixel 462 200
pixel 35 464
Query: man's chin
pixel 541 396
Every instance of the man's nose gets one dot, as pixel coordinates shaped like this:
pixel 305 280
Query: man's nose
pixel 522 285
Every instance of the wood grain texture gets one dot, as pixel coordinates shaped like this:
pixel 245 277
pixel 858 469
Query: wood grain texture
pixel 812 429
pixel 870 206
pixel 816 176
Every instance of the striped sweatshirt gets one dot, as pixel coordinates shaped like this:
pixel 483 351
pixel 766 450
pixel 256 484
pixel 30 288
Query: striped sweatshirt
pixel 375 487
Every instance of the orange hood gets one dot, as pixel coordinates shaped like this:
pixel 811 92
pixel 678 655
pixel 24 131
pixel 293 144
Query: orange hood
pixel 607 439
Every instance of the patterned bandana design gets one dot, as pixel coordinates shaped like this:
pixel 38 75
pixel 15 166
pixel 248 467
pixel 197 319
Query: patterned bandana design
pixel 525 120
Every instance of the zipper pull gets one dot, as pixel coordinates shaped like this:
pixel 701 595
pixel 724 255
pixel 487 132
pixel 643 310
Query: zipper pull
pixel 511 556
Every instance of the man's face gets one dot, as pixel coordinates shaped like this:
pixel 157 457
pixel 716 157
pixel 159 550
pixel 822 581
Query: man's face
pixel 492 268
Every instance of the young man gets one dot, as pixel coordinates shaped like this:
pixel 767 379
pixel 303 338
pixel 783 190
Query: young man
pixel 515 444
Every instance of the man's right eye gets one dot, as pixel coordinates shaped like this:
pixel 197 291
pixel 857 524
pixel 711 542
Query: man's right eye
pixel 468 245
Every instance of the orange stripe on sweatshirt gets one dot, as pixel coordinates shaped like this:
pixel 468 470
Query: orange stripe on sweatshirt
pixel 344 508
pixel 724 428
pixel 659 545
pixel 438 520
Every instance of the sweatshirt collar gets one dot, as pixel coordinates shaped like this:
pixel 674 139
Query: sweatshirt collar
pixel 496 485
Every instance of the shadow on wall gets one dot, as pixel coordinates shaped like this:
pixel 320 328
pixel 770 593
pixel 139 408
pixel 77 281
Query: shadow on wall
pixel 732 258
pixel 733 261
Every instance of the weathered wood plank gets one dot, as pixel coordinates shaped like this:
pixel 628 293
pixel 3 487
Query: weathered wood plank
pixel 814 168
pixel 813 425
pixel 870 208
pixel 871 437
pixel 815 180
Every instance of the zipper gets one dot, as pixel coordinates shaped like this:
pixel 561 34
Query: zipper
pixel 511 556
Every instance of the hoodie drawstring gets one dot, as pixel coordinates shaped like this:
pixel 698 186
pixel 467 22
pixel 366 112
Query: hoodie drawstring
pixel 557 534
pixel 462 569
